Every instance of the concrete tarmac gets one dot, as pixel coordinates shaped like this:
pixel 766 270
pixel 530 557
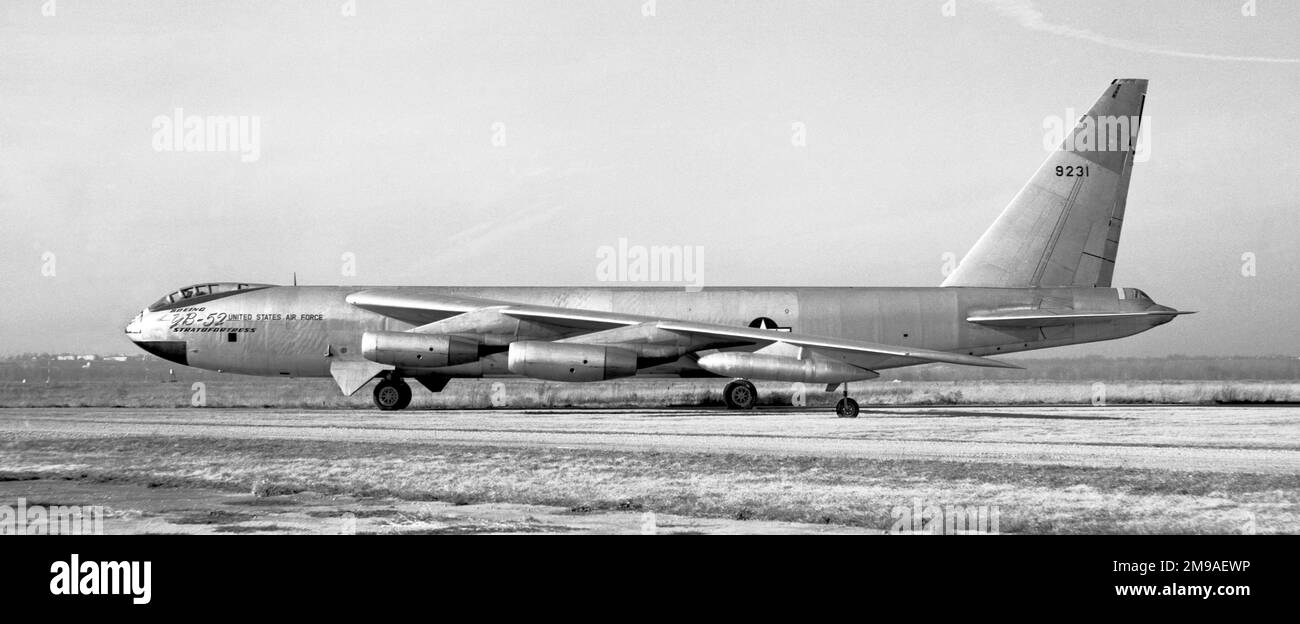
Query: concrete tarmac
pixel 1183 438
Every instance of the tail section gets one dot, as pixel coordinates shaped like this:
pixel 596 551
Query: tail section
pixel 1062 228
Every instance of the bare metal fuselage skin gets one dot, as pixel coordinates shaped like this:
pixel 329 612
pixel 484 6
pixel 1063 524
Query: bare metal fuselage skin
pixel 299 330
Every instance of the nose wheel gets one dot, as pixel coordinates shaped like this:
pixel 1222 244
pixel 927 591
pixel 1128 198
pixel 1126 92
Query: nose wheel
pixel 392 394
pixel 740 395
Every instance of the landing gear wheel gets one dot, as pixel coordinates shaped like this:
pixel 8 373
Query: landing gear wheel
pixel 392 394
pixel 740 395
pixel 846 408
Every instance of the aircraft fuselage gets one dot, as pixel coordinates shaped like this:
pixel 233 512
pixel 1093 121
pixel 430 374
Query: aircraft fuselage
pixel 299 330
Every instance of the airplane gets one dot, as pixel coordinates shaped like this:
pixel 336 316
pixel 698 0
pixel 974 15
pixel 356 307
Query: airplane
pixel 1039 277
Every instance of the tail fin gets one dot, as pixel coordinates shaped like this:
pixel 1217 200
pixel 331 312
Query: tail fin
pixel 1062 228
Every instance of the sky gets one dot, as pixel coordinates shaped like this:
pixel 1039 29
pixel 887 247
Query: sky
pixel 505 143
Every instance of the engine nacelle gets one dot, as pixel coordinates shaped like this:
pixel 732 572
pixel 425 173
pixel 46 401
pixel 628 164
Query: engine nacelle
pixel 782 368
pixel 562 361
pixel 411 350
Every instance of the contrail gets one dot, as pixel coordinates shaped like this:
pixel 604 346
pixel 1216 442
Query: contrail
pixel 1030 17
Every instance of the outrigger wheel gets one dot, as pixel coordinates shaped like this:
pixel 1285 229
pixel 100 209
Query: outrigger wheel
pixel 846 408
pixel 740 395
pixel 392 394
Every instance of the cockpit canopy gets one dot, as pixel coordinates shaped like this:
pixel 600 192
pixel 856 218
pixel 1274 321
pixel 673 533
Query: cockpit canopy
pixel 202 292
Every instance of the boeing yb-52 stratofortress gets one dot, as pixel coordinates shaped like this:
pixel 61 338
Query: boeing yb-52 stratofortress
pixel 1039 277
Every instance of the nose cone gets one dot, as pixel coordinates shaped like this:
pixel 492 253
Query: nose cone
pixel 170 350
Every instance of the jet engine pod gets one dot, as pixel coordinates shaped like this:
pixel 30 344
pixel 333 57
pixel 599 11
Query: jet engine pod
pixel 563 361
pixel 410 350
pixel 782 368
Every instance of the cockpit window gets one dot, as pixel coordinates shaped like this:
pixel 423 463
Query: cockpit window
pixel 202 292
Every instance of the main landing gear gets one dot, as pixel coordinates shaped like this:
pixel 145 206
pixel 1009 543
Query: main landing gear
pixel 740 395
pixel 392 394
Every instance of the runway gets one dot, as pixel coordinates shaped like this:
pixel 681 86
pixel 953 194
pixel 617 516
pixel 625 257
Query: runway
pixel 1263 440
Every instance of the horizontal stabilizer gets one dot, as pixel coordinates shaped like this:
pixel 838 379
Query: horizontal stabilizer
pixel 1046 318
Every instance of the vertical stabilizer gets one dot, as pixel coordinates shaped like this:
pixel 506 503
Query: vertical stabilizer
pixel 1062 228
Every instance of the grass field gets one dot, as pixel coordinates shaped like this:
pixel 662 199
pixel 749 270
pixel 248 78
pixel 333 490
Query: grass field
pixel 714 484
pixel 856 493
pixel 239 391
